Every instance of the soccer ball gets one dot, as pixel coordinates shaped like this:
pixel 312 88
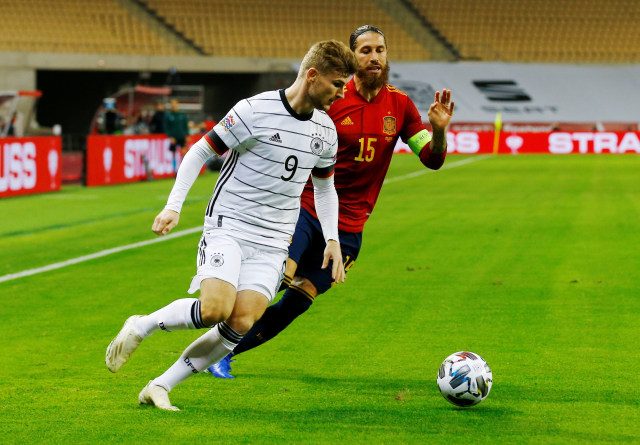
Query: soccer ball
pixel 465 379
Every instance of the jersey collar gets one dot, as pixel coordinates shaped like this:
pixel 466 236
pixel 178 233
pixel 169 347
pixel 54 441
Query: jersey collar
pixel 300 117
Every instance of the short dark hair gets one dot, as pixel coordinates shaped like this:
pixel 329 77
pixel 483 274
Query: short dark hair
pixel 330 56
pixel 361 30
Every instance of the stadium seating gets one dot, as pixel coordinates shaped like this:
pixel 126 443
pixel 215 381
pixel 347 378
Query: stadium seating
pixel 76 26
pixel 569 31
pixel 280 28
pixel 538 30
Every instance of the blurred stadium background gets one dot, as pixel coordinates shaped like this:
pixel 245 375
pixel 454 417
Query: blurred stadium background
pixel 60 60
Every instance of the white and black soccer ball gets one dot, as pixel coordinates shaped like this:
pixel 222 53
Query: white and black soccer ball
pixel 465 379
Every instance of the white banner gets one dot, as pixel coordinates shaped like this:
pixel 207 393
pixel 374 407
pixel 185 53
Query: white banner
pixel 525 92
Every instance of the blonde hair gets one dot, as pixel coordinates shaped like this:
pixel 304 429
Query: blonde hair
pixel 330 56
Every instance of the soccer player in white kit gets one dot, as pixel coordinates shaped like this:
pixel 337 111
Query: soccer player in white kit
pixel 276 140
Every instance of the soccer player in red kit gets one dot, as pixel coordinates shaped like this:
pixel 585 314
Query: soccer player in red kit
pixel 370 119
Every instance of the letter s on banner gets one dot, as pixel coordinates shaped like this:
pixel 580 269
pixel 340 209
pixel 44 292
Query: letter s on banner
pixel 5 152
pixel 467 142
pixel 29 169
pixel 129 158
pixel 464 142
pixel 560 143
pixel 15 166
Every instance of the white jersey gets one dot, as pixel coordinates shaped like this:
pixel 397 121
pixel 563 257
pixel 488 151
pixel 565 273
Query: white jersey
pixel 272 152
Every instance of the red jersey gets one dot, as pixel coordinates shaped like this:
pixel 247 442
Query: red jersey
pixel 367 135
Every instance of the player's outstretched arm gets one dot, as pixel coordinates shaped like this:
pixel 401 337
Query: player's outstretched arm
pixel 165 221
pixel 432 149
pixel 332 252
pixel 187 175
pixel 440 113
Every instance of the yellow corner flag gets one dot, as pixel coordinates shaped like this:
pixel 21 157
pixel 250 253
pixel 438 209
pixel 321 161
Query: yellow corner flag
pixel 497 125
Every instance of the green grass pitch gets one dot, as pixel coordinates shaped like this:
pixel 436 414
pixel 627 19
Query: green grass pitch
pixel 530 261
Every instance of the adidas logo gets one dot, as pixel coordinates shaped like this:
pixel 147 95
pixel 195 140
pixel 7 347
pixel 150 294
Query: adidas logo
pixel 276 138
pixel 347 121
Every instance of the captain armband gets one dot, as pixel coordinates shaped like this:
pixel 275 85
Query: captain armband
pixel 418 141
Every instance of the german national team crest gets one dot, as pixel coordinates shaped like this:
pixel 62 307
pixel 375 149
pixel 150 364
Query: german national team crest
pixel 316 146
pixel 217 260
pixel 389 125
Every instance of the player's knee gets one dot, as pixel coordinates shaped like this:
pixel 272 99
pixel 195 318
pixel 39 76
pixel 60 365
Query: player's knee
pixel 306 286
pixel 241 323
pixel 291 267
pixel 214 312
pixel 296 300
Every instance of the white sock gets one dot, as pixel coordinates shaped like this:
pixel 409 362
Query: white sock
pixel 206 350
pixel 180 315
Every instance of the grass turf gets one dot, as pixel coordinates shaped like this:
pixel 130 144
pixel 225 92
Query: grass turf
pixel 529 261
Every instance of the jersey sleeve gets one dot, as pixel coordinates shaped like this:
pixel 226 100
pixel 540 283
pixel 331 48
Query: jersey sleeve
pixel 412 121
pixel 326 163
pixel 234 130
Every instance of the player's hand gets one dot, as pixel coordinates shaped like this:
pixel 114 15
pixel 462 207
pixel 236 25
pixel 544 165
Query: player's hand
pixel 441 110
pixel 165 221
pixel 332 252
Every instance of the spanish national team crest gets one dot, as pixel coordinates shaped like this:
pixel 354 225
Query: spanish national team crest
pixel 389 125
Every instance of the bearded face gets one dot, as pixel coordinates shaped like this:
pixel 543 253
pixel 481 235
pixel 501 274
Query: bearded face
pixel 371 52
pixel 373 76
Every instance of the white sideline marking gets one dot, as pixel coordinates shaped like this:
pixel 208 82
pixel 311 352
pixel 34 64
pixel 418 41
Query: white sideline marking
pixel 444 167
pixel 69 196
pixel 81 259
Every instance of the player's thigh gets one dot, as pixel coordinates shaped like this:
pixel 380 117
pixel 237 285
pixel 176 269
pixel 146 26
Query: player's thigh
pixel 219 261
pixel 217 299
pixel 262 272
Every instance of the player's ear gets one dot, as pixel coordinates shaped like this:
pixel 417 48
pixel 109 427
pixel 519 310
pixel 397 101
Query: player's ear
pixel 312 74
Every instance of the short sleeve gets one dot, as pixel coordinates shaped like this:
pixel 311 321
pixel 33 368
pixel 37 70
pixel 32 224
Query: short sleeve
pixel 236 127
pixel 412 121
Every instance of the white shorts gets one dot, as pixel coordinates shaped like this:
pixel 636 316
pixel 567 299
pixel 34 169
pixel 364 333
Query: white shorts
pixel 243 264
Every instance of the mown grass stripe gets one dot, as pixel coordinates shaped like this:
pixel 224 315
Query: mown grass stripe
pixel 81 259
pixel 102 253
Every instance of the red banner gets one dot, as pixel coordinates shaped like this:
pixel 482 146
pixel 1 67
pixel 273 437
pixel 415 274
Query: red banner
pixel 30 165
pixel 578 142
pixel 120 159
pixel 557 142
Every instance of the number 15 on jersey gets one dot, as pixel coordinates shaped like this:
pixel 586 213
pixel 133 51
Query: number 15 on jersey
pixel 367 150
